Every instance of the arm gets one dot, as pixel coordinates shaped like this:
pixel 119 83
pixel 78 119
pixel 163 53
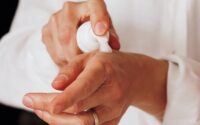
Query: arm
pixel 176 113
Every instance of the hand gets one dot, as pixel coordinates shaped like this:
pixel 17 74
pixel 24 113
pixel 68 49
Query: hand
pixel 59 34
pixel 109 84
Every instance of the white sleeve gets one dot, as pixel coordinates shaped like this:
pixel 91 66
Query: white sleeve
pixel 25 65
pixel 183 92
pixel 183 89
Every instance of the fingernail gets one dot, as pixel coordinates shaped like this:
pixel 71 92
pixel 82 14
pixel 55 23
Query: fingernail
pixel 100 28
pixel 60 79
pixel 28 102
pixel 114 42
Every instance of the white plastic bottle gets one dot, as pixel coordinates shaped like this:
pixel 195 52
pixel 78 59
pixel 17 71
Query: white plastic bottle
pixel 88 41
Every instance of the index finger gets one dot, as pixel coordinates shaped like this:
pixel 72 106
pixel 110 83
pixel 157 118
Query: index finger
pixel 92 77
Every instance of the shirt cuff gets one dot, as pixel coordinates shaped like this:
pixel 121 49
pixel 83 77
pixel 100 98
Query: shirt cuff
pixel 183 92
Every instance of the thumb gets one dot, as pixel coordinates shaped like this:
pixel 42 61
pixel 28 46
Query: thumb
pixel 99 17
pixel 38 101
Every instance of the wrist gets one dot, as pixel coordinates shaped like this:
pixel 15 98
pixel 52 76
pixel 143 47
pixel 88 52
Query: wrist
pixel 149 85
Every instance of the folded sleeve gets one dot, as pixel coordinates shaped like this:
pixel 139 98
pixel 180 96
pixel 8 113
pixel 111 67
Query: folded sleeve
pixel 183 92
pixel 25 65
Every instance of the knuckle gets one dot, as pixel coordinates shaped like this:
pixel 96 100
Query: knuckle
pixel 77 108
pixel 106 65
pixel 45 34
pixel 69 71
pixel 52 18
pixel 61 63
pixel 118 93
pixel 69 9
pixel 60 60
pixel 68 5
pixel 101 57
pixel 100 62
pixel 81 121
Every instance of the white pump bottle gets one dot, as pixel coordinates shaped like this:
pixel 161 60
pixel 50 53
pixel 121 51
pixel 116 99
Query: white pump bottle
pixel 88 41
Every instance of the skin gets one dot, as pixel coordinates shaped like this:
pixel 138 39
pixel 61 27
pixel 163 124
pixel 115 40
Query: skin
pixel 115 87
pixel 106 82
pixel 59 34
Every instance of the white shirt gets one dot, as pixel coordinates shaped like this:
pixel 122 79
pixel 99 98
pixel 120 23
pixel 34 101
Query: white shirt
pixel 167 29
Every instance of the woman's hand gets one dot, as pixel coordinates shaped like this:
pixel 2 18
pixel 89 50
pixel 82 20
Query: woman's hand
pixel 107 83
pixel 59 34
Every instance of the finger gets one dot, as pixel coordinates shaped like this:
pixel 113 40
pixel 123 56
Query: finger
pixel 47 38
pixel 50 40
pixel 46 34
pixel 86 83
pixel 39 101
pixel 106 114
pixel 68 74
pixel 58 52
pixel 114 42
pixel 98 98
pixel 85 118
pixel 99 16
pixel 65 30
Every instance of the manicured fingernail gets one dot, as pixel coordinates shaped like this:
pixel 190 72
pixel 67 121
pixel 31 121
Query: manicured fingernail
pixel 28 102
pixel 60 79
pixel 100 28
